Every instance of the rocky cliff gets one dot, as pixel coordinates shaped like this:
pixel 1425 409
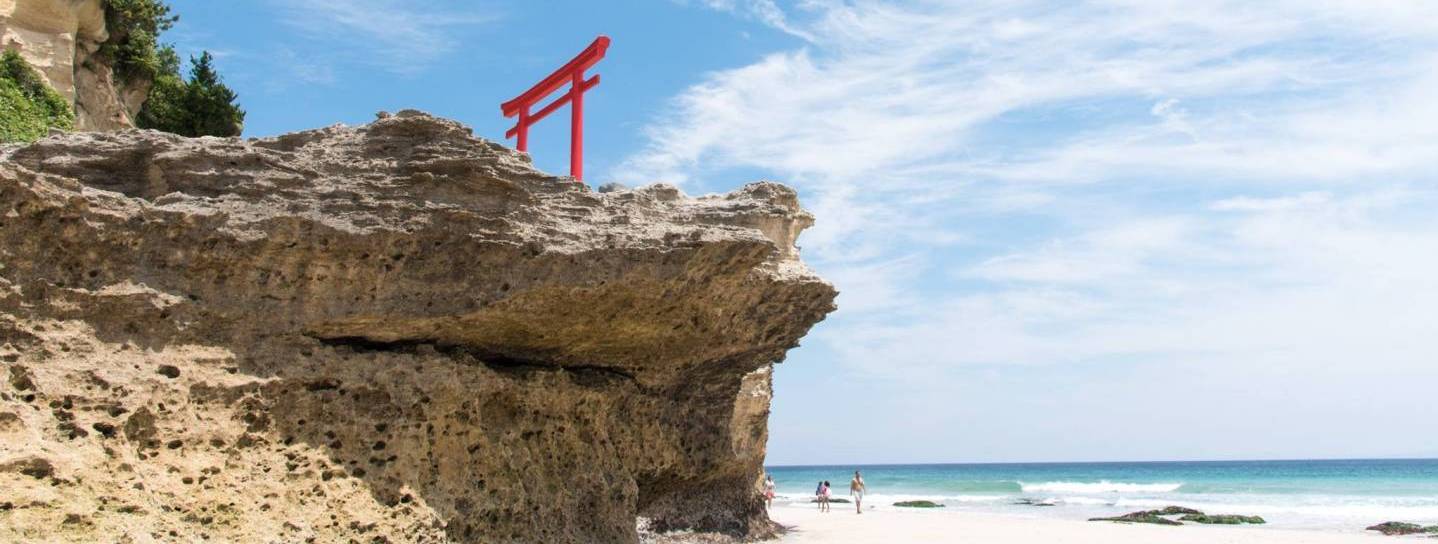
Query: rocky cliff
pixel 395 332
pixel 61 39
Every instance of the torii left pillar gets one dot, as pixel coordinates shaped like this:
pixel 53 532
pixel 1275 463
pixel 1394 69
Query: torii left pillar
pixel 571 73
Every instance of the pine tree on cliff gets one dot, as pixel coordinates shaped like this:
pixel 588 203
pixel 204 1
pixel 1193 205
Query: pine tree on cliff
pixel 211 104
pixel 202 106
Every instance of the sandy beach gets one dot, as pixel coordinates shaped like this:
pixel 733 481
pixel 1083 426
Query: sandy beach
pixel 807 525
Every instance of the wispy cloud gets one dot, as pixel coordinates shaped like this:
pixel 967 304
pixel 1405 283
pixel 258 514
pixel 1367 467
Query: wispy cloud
pixel 399 36
pixel 1038 182
pixel 764 11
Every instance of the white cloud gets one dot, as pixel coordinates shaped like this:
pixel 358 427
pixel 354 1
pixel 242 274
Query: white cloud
pixel 398 36
pixel 1037 183
pixel 765 11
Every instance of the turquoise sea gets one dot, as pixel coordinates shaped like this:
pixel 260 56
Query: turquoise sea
pixel 1341 495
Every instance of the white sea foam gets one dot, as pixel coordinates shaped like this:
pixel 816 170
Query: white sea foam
pixel 1087 501
pixel 1102 486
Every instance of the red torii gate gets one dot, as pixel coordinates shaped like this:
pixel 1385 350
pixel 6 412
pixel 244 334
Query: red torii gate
pixel 573 74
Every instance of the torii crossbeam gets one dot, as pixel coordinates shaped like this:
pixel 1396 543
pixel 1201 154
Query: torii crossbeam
pixel 573 74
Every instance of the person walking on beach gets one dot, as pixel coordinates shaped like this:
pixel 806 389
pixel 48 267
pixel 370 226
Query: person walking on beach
pixel 824 496
pixel 819 495
pixel 768 491
pixel 856 490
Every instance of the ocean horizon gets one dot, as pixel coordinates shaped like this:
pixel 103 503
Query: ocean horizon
pixel 1322 494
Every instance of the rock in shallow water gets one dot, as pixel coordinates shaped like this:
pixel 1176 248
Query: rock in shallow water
pixel 1162 517
pixel 1392 528
pixel 1222 519
pixel 918 504
pixel 1154 517
pixel 394 331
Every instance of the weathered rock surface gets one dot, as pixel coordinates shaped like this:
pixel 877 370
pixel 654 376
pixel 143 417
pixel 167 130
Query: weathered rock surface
pixel 60 38
pixel 395 332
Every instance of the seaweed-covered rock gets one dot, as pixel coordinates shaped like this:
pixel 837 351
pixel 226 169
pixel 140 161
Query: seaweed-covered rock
pixel 1394 528
pixel 1147 516
pixel 918 504
pixel 1222 519
pixel 834 500
pixel 1176 510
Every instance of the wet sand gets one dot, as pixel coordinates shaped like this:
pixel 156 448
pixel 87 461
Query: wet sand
pixel 841 526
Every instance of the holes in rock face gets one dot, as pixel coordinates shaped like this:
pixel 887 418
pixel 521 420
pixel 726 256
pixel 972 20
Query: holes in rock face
pixel 323 384
pixel 106 430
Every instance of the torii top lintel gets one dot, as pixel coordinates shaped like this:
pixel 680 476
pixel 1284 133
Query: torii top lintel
pixel 573 74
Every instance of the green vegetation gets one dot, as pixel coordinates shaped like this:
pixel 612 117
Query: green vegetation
pixel 202 106
pixel 199 106
pixel 134 46
pixel 28 107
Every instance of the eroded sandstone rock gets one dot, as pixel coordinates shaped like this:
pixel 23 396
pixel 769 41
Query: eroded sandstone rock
pixel 61 39
pixel 391 332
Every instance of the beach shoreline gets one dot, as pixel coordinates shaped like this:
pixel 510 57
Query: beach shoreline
pixel 806 525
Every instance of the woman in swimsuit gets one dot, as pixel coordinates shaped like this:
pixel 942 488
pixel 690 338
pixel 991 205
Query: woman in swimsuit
pixel 768 491
pixel 824 496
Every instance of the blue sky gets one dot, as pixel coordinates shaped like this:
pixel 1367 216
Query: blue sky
pixel 1062 231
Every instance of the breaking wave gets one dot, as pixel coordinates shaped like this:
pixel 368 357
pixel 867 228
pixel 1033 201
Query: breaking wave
pixel 1103 486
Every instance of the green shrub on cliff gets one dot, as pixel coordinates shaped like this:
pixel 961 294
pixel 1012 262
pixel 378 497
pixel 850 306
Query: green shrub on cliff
pixel 135 27
pixel 28 106
pixel 202 106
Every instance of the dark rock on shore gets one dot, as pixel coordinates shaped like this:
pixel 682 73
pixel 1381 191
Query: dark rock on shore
pixel 918 504
pixel 1031 502
pixel 1146 516
pixel 1222 519
pixel 1176 510
pixel 1157 517
pixel 832 501
pixel 1396 528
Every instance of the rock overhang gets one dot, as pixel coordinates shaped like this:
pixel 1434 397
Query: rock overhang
pixel 410 240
